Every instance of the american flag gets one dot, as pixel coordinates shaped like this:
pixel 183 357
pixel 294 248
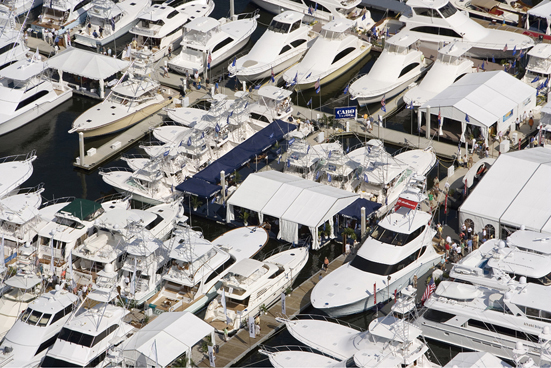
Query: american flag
pixel 429 290
pixel 439 118
pixel 505 48
pixel 317 86
pixel 383 104
pixel 273 75
pixel 209 60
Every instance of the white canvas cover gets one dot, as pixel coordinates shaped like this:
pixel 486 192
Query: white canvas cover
pixel 486 98
pixel 513 192
pixel 291 199
pixel 165 339
pixel 87 64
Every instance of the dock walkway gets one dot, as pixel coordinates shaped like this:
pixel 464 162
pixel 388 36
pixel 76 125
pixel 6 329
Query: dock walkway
pixel 240 344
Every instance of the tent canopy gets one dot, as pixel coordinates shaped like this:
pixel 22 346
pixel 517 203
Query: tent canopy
pixel 486 98
pixel 166 338
pixel 87 64
pixel 513 193
pixel 199 187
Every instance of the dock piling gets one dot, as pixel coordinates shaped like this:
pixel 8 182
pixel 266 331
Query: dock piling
pixel 81 146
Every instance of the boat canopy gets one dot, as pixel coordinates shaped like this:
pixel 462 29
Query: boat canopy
pixel 87 64
pixel 83 209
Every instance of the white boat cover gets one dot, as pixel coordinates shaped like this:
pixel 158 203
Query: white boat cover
pixel 514 192
pixel 486 98
pixel 87 64
pixel 291 199
pixel 477 359
pixel 164 339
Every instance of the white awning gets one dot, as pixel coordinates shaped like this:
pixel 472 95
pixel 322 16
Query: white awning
pixel 164 339
pixel 87 64
pixel 513 193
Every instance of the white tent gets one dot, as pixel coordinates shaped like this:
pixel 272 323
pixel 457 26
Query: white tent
pixel 294 201
pixel 164 339
pixel 513 193
pixel 486 98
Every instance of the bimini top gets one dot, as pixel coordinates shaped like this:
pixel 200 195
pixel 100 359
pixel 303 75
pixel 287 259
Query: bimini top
pixel 338 25
pixel 202 24
pixel 458 291
pixel 23 70
pixel 274 93
pixel 246 267
pixel 82 209
pixel 403 39
pixel 456 49
pixel 23 282
pixel 541 50
pixel 118 219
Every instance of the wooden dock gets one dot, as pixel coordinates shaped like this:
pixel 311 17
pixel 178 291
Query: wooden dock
pixel 241 344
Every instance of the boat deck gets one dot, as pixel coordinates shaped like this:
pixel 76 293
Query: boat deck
pixel 240 344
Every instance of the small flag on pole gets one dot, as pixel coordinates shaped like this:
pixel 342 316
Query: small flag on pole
pixel 483 66
pixel 467 118
pixel 209 60
pixel 428 291
pixel 317 86
pixel 273 75
pixel 189 141
pixel 505 48
pixel 346 88
pixel 514 50
pixel 234 61
pixel 493 59
pixel 383 104
pixel 410 105
pixel 309 102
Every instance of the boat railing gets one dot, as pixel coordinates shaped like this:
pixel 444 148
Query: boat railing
pixel 114 197
pixel 29 190
pixel 267 350
pixel 254 14
pixel 31 156
pixel 317 317
pixel 279 249
pixel 129 156
pixel 57 200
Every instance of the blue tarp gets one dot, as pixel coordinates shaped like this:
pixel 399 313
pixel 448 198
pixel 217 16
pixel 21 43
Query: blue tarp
pixel 199 187
pixel 354 210
pixel 240 155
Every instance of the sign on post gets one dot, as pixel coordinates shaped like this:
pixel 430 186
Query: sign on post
pixel 283 309
pixel 349 112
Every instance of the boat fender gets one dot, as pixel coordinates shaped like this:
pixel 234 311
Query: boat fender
pixel 170 97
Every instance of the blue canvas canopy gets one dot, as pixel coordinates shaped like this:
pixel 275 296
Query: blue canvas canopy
pixel 240 155
pixel 354 210
pixel 199 188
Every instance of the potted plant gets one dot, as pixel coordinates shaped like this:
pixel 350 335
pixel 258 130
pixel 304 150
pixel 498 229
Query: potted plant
pixel 237 177
pixel 195 202
pixel 263 309
pixel 288 291
pixel 348 233
pixel 245 217
pixel 327 231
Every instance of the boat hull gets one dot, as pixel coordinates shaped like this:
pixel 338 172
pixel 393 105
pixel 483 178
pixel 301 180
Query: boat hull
pixel 127 121
pixel 384 294
pixel 393 92
pixel 36 111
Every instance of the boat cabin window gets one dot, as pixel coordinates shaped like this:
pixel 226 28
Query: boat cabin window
pixel 220 269
pixel 297 43
pixel 12 83
pixel 437 316
pixel 437 31
pixel 62 313
pixel 408 69
pixel 152 224
pixel 31 99
pixel 8 47
pixel 46 344
pixel 173 14
pixel 389 47
pixel 284 49
pixel 83 339
pixel 535 314
pixel 279 27
pixel 148 23
pixel 342 54
pixel 459 77
pixel 256 116
pixel 502 330
pixel 316 6
pixel 427 12
pixel 350 363
pixel 224 43
pixel 383 269
pixel 448 10
pixel 394 238
pixel 295 26
pixel 53 362
pixel 35 318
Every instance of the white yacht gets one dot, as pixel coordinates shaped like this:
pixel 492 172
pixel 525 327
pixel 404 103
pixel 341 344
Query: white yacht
pixel 197 265
pixel 130 101
pixel 106 21
pixel 303 159
pixel 399 247
pixel 20 219
pixel 62 15
pixel 85 338
pixel 336 50
pixel 322 10
pixel 25 93
pixel 112 231
pixel 160 26
pixel 437 22
pixel 400 64
pixel 206 38
pixel 144 267
pixel 12 47
pixel 382 177
pixel 23 288
pixel 505 12
pixel 72 224
pixel 36 330
pixel 273 103
pixel 538 69
pixel 283 44
pixel 504 323
pixel 450 65
pixel 146 185
pixel 500 264
pixel 388 342
pixel 14 171
pixel 251 284
pixel 19 7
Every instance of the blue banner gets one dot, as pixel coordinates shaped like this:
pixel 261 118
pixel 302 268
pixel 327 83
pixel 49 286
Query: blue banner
pixel 346 112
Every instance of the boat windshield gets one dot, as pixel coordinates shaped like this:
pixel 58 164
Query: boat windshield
pixel 537 63
pixel 382 269
pixel 35 318
pixel 394 238
pixel 448 10
pixel 279 27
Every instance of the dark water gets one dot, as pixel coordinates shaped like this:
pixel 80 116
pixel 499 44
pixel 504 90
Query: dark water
pixel 56 150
